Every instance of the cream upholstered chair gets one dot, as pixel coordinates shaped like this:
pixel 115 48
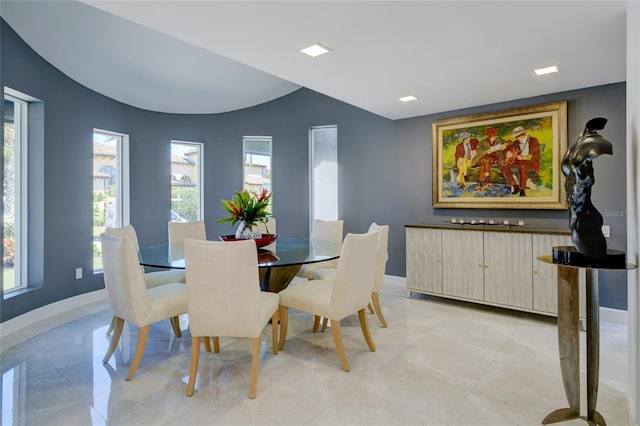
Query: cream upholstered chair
pixel 151 279
pixel 131 300
pixel 323 230
pixel 180 231
pixel 267 228
pixel 224 299
pixel 381 263
pixel 349 292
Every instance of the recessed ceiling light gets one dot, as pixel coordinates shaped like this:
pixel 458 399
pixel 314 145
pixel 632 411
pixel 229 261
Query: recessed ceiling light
pixel 315 50
pixel 408 98
pixel 547 70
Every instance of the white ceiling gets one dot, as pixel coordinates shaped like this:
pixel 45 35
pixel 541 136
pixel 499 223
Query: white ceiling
pixel 215 56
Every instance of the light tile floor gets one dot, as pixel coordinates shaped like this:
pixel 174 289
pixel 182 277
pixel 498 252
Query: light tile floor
pixel 438 363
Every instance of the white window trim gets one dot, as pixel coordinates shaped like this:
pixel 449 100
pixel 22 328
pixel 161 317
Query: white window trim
pixel 123 175
pixel 21 181
pixel 263 138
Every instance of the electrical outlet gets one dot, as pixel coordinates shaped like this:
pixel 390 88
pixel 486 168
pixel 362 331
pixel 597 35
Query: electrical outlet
pixel 606 231
pixel 78 273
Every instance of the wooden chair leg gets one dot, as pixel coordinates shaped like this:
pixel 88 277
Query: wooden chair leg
pixel 193 369
pixel 325 321
pixel 376 304
pixel 175 324
pixel 143 335
pixel 274 330
pixel 207 343
pixel 118 323
pixel 337 341
pixel 316 323
pixel 255 361
pixel 111 326
pixel 216 344
pixel 284 319
pixel 370 308
pixel 365 330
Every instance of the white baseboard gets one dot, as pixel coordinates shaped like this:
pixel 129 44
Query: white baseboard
pixel 31 317
pixel 617 316
pixel 395 281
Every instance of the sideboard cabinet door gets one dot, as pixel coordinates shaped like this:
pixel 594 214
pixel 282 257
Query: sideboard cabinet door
pixel 545 275
pixel 462 264
pixel 424 260
pixel 508 269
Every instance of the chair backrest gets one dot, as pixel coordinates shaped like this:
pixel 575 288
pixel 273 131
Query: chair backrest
pixel 125 231
pixel 327 230
pixel 223 288
pixel 180 231
pixel 381 255
pixel 123 279
pixel 355 274
pixel 268 228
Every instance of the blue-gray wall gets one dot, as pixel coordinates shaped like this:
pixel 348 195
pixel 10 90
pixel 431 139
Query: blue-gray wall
pixel 384 171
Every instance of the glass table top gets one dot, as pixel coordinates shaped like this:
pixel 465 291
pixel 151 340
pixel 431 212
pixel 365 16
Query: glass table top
pixel 284 252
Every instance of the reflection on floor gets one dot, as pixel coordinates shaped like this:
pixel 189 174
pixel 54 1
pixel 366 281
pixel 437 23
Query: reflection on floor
pixel 438 363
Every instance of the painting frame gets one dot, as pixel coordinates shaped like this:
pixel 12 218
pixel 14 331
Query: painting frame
pixel 529 143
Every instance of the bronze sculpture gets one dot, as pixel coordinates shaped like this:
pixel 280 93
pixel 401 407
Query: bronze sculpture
pixel 585 221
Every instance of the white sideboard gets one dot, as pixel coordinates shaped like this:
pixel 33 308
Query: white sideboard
pixel 496 267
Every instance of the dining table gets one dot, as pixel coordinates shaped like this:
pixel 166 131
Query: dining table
pixel 278 263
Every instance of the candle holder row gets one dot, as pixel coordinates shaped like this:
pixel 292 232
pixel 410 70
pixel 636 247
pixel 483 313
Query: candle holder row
pixel 487 222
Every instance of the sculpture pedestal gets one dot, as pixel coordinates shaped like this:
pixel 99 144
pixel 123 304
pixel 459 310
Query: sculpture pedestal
pixel 568 338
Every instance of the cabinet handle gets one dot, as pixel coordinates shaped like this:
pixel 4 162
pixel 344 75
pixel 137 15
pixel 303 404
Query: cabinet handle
pixel 479 266
pixel 535 272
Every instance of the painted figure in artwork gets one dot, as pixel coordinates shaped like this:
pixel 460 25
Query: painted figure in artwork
pixel 465 152
pixel 524 155
pixel 490 153
pixel 585 221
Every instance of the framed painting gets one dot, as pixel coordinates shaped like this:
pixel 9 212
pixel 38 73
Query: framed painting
pixel 501 160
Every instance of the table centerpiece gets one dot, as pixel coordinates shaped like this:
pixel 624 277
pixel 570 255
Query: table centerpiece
pixel 247 209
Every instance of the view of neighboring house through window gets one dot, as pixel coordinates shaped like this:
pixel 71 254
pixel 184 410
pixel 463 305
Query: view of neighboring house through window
pixel 110 186
pixel 257 163
pixel 186 181
pixel 14 193
pixel 323 151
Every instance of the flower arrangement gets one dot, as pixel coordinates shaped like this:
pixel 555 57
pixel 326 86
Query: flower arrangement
pixel 248 207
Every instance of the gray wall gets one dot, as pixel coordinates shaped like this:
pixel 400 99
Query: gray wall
pixel 384 173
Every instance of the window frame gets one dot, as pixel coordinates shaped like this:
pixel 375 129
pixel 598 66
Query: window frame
pixel 122 179
pixel 21 187
pixel 269 139
pixel 312 189
pixel 199 173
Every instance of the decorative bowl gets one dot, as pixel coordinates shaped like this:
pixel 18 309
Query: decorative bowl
pixel 264 240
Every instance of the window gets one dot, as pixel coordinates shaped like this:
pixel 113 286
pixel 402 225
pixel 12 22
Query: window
pixel 14 194
pixel 186 181
pixel 257 163
pixel 110 186
pixel 323 173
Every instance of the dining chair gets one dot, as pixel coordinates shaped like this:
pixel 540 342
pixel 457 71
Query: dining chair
pixel 131 300
pixel 349 292
pixel 151 279
pixel 180 231
pixel 323 231
pixel 224 299
pixel 381 263
pixel 267 228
